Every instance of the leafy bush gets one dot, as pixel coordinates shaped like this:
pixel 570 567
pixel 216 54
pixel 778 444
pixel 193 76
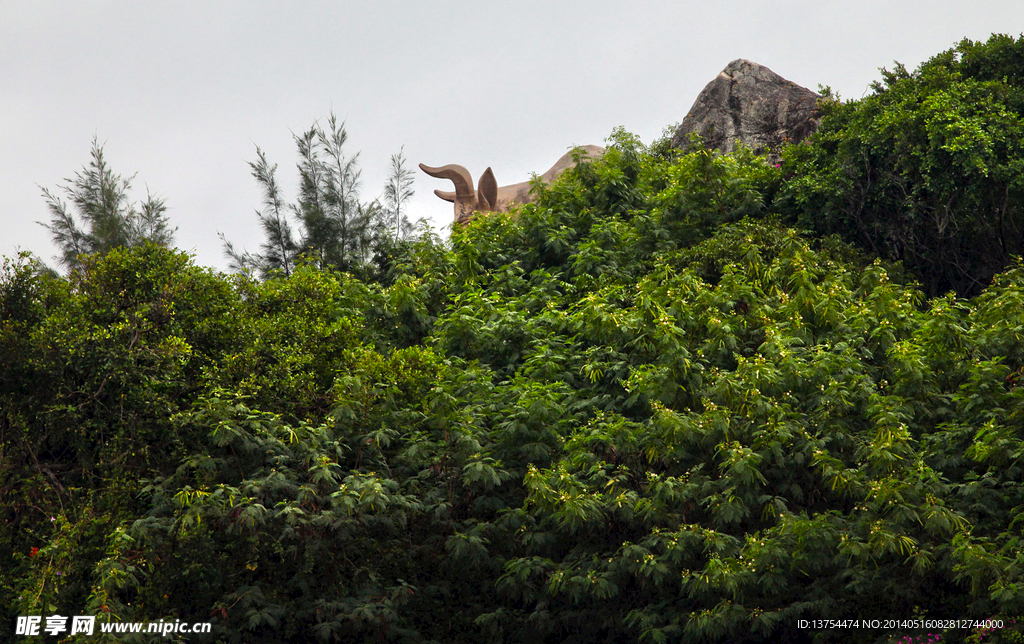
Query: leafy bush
pixel 927 169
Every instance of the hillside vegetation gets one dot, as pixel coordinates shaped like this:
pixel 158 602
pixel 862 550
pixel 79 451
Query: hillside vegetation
pixel 680 398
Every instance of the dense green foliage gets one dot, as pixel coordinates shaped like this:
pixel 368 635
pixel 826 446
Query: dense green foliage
pixel 641 409
pixel 929 169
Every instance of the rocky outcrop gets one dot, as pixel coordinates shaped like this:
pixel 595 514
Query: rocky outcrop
pixel 752 104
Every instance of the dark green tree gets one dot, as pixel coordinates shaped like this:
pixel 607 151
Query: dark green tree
pixel 397 192
pixel 928 169
pixel 279 248
pixel 101 216
pixel 334 228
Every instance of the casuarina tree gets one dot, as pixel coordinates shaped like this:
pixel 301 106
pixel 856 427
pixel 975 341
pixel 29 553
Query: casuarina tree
pixel 99 216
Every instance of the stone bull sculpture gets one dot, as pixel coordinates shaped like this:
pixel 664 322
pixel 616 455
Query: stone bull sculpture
pixel 488 197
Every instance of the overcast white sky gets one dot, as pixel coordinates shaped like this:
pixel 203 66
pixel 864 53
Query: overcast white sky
pixel 182 92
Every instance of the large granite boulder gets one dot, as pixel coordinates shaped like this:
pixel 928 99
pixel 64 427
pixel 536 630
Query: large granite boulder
pixel 752 104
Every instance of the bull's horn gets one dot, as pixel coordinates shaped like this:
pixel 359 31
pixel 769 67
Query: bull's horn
pixel 487 191
pixel 457 174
